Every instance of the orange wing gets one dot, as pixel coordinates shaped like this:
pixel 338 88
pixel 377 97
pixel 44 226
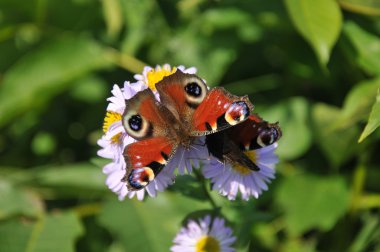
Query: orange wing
pixel 145 160
pixel 220 110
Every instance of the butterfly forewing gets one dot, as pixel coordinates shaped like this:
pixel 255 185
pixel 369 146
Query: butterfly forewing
pixel 220 110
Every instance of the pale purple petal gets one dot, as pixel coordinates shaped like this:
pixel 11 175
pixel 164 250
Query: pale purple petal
pixel 188 237
pixel 230 182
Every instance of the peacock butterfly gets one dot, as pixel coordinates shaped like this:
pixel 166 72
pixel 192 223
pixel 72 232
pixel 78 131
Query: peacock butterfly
pixel 254 133
pixel 187 109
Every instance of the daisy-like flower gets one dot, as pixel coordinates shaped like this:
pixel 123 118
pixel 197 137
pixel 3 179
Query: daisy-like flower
pixel 229 179
pixel 115 139
pixel 150 76
pixel 206 235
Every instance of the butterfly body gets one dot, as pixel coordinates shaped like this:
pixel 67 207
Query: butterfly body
pixel 186 110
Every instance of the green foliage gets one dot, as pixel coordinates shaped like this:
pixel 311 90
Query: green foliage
pixel 314 66
pixel 319 22
pixel 14 201
pixel 366 47
pixel 320 206
pixel 54 232
pixel 338 145
pixel 374 119
pixel 51 71
pixel 293 117
pixel 134 228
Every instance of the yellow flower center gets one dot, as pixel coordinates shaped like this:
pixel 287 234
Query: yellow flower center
pixel 207 244
pixel 110 118
pixel 242 169
pixel 154 76
pixel 116 139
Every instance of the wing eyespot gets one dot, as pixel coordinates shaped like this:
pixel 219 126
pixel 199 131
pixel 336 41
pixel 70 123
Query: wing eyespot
pixel 268 137
pixel 141 177
pixel 136 126
pixel 237 112
pixel 195 91
pixel 135 122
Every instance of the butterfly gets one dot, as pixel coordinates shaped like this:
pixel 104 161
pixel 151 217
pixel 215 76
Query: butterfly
pixel 187 109
pixel 252 134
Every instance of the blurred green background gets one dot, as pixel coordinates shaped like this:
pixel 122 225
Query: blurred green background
pixel 312 65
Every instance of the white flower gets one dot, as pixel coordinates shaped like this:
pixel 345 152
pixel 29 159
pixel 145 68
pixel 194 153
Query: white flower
pixel 206 235
pixel 229 179
pixel 115 138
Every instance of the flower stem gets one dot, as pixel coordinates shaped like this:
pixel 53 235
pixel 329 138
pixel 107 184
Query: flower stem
pixel 370 201
pixel 88 209
pixel 206 191
pixel 358 184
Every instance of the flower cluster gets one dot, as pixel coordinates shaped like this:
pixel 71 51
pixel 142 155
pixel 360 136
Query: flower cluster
pixel 226 178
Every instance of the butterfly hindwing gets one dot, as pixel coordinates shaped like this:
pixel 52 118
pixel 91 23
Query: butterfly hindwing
pixel 230 145
pixel 145 160
pixel 255 133
pixel 220 110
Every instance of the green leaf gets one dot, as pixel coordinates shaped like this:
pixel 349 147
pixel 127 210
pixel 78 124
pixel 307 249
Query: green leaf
pixel 113 17
pixel 43 143
pixel 337 144
pixel 55 232
pixel 298 245
pixel 138 26
pixel 254 85
pixel 364 237
pixel 42 74
pixel 293 118
pixel 319 22
pixel 373 121
pixel 366 46
pixel 90 89
pixel 312 202
pixel 357 104
pixel 80 175
pixel 150 225
pixel 367 7
pixel 15 201
pixel 189 186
